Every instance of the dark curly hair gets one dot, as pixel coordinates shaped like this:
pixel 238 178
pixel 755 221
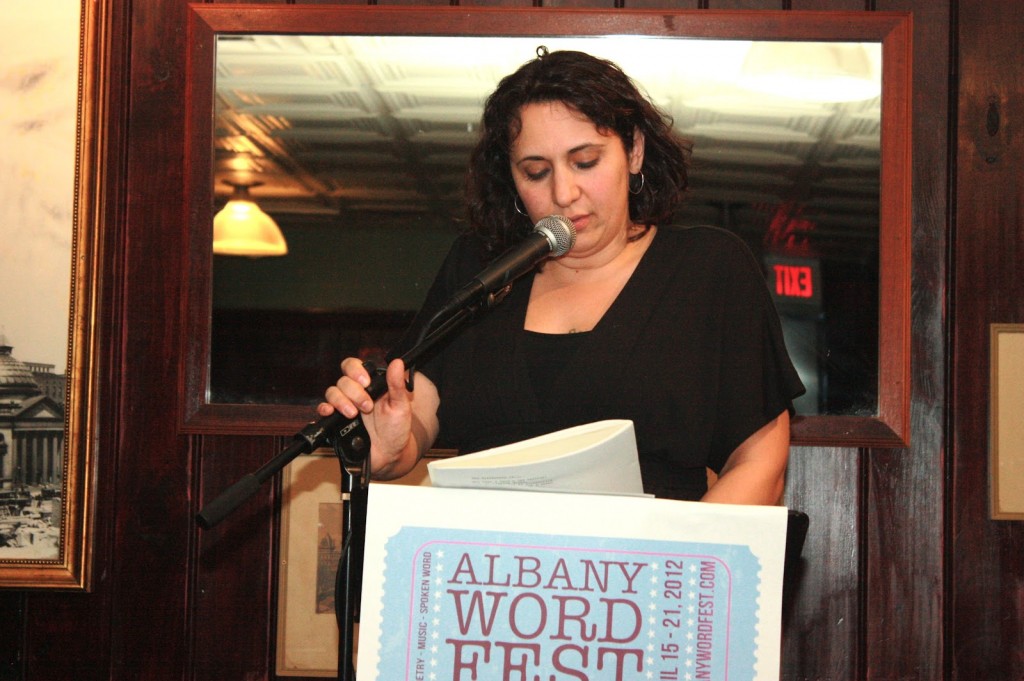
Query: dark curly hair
pixel 598 89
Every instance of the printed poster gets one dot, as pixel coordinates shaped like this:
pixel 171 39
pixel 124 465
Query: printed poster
pixel 485 585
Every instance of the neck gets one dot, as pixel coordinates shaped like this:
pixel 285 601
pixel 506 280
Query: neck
pixel 623 253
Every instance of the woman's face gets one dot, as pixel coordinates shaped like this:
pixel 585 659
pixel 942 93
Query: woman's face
pixel 563 165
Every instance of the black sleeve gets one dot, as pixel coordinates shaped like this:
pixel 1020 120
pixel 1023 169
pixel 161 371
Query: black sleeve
pixel 757 380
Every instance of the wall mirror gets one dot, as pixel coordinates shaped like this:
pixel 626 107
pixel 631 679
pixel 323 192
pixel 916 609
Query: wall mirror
pixel 350 127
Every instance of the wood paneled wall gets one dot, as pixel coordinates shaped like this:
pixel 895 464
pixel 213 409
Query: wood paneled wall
pixel 903 577
pixel 986 558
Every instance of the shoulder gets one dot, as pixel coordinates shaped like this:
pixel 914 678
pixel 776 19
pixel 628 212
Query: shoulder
pixel 469 245
pixel 705 237
pixel 712 264
pixel 705 245
pixel 468 253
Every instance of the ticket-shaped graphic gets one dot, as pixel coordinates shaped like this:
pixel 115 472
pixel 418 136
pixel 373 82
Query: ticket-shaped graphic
pixel 472 604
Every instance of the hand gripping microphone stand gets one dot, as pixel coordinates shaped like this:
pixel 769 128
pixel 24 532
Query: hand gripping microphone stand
pixel 351 442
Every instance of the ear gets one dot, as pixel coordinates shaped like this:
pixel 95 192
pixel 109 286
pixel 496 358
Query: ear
pixel 636 154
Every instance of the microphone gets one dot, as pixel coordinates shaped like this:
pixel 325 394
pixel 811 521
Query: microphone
pixel 552 236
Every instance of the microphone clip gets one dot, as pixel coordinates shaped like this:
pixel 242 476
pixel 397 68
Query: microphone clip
pixel 351 443
pixel 494 299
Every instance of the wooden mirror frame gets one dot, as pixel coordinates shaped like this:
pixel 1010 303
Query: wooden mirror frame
pixel 890 427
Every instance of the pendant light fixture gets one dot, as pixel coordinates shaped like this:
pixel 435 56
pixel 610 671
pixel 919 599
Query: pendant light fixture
pixel 242 228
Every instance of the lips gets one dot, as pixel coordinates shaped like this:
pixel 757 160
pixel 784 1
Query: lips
pixel 579 221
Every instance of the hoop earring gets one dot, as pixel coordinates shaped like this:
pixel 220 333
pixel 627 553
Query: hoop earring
pixel 515 204
pixel 631 183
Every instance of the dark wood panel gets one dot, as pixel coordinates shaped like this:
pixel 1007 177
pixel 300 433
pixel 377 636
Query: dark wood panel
pixel 821 609
pixel 662 4
pixel 495 3
pixel 327 2
pixel 833 5
pixel 69 638
pixel 578 4
pixel 987 572
pixel 152 534
pixel 12 629
pixel 903 526
pixel 903 593
pixel 413 2
pixel 232 613
pixel 745 4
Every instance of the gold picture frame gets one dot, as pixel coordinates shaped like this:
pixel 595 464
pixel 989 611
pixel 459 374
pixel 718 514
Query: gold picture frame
pixel 1006 434
pixel 46 470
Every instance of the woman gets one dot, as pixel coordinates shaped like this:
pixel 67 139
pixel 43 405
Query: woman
pixel 671 328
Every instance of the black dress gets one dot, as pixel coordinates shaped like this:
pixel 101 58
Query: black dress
pixel 691 351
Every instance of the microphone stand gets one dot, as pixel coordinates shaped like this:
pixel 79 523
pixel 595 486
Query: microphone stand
pixel 351 444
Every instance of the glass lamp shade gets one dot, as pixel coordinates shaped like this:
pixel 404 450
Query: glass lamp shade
pixel 242 228
pixel 813 72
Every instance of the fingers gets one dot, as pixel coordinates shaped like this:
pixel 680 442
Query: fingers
pixel 354 369
pixel 349 394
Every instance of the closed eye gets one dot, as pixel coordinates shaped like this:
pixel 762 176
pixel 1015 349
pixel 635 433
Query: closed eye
pixel 538 175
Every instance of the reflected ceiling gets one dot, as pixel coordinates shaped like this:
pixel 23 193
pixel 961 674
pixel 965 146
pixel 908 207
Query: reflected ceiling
pixel 339 124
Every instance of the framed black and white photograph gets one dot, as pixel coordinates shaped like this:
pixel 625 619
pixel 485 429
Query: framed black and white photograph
pixel 49 77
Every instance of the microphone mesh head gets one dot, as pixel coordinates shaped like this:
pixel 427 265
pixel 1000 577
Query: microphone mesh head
pixel 559 231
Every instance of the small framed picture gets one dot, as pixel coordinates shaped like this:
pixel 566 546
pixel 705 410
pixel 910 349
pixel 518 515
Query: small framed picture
pixel 310 549
pixel 1006 429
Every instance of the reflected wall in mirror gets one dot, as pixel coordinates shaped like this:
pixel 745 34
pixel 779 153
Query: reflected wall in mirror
pixel 359 139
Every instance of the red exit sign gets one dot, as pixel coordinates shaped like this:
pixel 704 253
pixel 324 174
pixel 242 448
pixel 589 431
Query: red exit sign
pixel 794 281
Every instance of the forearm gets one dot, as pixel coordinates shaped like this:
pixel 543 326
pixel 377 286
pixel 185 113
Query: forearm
pixel 421 437
pixel 756 471
pixel 747 484
pixel 388 461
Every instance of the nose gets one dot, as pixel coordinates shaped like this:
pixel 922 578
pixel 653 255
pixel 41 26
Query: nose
pixel 564 188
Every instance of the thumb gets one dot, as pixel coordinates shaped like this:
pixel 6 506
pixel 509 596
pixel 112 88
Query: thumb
pixel 396 381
